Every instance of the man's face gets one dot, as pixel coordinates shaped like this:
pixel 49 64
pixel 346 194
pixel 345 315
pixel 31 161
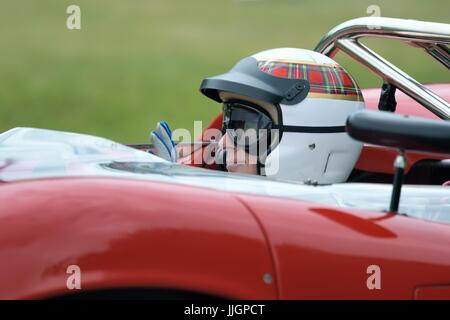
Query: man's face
pixel 237 159
pixel 246 131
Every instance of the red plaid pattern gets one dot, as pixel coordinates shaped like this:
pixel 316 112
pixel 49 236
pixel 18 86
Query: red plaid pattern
pixel 323 79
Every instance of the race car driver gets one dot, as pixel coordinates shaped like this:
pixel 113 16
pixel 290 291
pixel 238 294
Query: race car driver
pixel 296 101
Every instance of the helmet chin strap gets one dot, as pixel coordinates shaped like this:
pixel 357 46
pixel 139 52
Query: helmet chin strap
pixel 259 165
pixel 260 169
pixel 221 159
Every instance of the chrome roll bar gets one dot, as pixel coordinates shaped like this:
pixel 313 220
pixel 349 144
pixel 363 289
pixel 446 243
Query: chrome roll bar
pixel 433 37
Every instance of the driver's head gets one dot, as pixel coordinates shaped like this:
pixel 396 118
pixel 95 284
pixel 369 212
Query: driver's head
pixel 284 113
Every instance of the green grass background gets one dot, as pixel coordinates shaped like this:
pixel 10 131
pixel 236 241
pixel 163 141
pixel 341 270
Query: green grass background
pixel 139 61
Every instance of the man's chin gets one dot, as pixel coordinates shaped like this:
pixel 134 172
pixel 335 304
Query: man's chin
pixel 242 168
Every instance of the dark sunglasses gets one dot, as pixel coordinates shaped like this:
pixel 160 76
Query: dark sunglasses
pixel 246 124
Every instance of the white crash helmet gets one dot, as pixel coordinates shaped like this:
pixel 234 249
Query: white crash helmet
pixel 311 97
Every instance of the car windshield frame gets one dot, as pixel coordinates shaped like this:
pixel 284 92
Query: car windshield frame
pixel 433 37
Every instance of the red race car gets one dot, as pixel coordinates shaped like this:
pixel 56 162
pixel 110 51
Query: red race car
pixel 85 217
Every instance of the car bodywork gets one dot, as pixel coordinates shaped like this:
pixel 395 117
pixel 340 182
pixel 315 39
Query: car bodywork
pixel 130 220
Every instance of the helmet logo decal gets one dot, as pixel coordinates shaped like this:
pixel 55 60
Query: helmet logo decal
pixel 325 80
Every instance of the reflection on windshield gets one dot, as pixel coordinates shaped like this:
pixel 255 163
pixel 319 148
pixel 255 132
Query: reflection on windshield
pixel 425 202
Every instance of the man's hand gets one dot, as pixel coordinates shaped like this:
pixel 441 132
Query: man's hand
pixel 163 143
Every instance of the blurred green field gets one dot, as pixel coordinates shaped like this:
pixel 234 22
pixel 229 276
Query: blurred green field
pixel 136 62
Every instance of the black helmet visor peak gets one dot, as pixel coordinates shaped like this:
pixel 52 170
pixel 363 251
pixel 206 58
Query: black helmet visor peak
pixel 246 79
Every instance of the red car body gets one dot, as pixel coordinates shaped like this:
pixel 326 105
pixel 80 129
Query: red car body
pixel 129 234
